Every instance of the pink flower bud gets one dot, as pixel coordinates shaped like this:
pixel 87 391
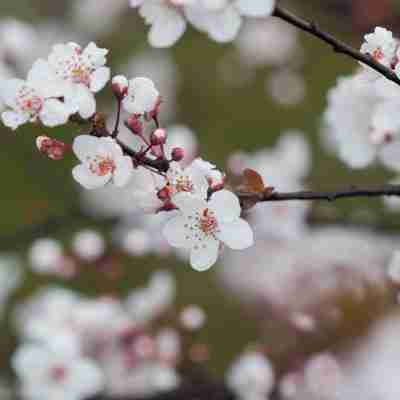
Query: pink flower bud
pixel 177 154
pixel 119 85
pixel 158 137
pixel 54 149
pixel 163 194
pixel 134 124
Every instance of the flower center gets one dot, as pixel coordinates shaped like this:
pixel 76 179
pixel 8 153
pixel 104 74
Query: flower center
pixel 101 166
pixel 79 74
pixel 377 54
pixel 58 373
pixel 29 102
pixel 183 184
pixel 207 222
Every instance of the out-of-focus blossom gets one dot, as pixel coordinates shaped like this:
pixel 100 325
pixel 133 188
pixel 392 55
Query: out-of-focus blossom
pixel 283 167
pixel 147 303
pixel 192 318
pixel 142 96
pixel 220 20
pixel 46 255
pixel 48 373
pixel 10 278
pixel 286 87
pixel 251 376
pixel 268 43
pixel 88 245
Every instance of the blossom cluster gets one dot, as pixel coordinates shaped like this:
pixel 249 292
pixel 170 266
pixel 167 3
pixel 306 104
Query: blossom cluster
pixel 73 347
pixel 221 20
pixel 361 122
pixel 203 214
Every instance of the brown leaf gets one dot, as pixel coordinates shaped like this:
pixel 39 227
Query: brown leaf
pixel 253 182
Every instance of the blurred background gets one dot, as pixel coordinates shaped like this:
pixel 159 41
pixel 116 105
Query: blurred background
pixel 316 280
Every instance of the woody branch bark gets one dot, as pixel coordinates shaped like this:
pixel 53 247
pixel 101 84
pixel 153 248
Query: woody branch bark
pixel 338 46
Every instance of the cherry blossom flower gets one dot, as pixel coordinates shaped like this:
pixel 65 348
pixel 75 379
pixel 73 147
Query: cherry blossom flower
pixel 201 226
pixel 251 376
pixel 142 97
pixel 380 45
pixel 34 99
pixel 102 161
pixel 46 373
pixel 83 73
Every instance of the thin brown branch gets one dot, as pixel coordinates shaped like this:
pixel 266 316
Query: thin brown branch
pixel 337 45
pixel 352 192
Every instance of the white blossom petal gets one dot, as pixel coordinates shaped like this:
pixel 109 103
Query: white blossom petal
pixel 13 120
pixel 204 256
pixel 99 79
pixel 237 234
pixel 88 180
pixel 175 232
pixel 54 113
pixel 226 205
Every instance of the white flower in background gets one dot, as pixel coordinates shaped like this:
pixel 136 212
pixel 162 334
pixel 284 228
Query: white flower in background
pixel 255 8
pixel 83 73
pixel 251 376
pixel 168 345
pixel 46 255
pixel 361 122
pixel 147 303
pixel 47 315
pixel 142 97
pixel 34 99
pixel 193 318
pixel 166 20
pixel 201 226
pixel 88 245
pixel 10 278
pixel 393 270
pixel 45 373
pixel 380 45
pixel 98 17
pixel 221 19
pixel 102 160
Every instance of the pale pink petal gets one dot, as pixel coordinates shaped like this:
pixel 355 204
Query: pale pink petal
pixel 13 120
pixel 225 205
pixel 99 79
pixel 175 232
pixel 123 171
pixel 205 255
pixel 88 180
pixel 9 90
pixel 255 8
pixel 54 113
pixel 84 146
pixel 237 234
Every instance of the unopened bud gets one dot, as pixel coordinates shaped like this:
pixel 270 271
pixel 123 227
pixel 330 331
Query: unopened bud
pixel 54 149
pixel 163 194
pixel 134 124
pixel 177 154
pixel 158 137
pixel 119 85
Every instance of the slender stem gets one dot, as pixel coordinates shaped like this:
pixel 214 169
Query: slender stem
pixel 117 122
pixel 352 192
pixel 337 45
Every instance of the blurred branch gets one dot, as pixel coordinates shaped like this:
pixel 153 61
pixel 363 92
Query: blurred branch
pixel 337 45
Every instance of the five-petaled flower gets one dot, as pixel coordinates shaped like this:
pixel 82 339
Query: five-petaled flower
pixel 102 161
pixel 82 72
pixel 35 99
pixel 201 226
pixel 142 96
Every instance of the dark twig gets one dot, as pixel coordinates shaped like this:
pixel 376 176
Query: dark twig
pixel 337 45
pixel 117 122
pixel 352 192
